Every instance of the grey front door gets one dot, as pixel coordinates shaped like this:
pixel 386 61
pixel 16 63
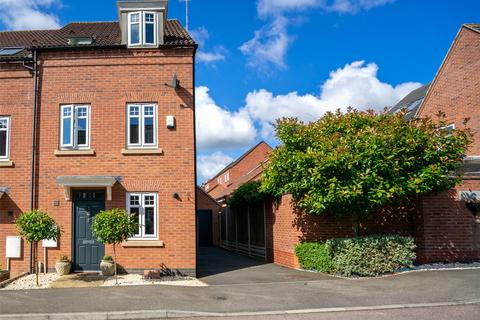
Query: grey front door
pixel 87 251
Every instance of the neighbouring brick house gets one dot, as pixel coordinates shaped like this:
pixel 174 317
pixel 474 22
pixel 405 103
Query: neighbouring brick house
pixel 108 110
pixel 444 229
pixel 449 231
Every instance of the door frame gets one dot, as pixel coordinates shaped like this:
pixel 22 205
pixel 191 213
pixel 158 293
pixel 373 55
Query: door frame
pixel 210 212
pixel 74 222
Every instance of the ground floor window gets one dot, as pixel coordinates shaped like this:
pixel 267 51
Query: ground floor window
pixel 144 207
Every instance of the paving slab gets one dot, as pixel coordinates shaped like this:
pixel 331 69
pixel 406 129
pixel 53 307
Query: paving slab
pixel 79 280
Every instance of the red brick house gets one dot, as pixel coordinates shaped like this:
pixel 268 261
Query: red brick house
pixel 444 228
pixel 100 115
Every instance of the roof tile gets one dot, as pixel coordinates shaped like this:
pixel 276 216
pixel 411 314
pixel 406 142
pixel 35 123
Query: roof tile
pixel 104 34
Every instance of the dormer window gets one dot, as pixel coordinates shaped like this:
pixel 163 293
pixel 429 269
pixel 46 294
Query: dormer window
pixel 142 29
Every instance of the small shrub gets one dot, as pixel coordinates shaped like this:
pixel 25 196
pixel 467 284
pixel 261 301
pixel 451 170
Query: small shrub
pixel 107 258
pixel 362 256
pixel 64 259
pixel 314 256
pixel 372 255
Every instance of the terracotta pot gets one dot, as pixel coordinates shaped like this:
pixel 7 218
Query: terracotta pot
pixel 63 267
pixel 107 267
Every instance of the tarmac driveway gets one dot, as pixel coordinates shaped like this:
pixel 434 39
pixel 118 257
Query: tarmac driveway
pixel 217 266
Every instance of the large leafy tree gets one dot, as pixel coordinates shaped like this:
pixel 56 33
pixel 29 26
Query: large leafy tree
pixel 113 227
pixel 352 163
pixel 35 226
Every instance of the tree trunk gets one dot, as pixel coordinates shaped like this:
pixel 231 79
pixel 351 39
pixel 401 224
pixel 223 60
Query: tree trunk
pixel 35 260
pixel 356 225
pixel 115 263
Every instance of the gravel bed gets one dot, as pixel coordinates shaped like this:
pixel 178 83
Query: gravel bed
pixel 446 266
pixel 139 280
pixel 29 282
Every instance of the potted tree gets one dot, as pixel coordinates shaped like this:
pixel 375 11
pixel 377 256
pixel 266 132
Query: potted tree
pixel 107 266
pixel 113 227
pixel 63 266
pixel 35 226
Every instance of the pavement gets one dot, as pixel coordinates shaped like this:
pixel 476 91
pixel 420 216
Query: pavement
pixel 251 289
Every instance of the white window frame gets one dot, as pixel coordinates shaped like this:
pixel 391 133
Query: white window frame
pixel 141 213
pixel 74 126
pixel 142 29
pixel 6 157
pixel 141 123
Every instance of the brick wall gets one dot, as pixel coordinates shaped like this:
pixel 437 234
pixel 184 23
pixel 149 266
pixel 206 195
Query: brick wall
pixel 449 230
pixel 107 80
pixel 205 202
pixel 287 227
pixel 16 101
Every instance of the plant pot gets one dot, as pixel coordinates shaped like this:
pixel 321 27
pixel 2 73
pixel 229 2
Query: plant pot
pixel 4 275
pixel 63 267
pixel 107 268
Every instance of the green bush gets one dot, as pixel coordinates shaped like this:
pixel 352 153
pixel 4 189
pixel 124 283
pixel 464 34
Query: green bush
pixel 314 256
pixel 361 256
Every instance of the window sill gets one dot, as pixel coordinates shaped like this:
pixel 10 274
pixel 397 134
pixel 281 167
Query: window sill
pixel 89 152
pixel 6 163
pixel 142 151
pixel 143 244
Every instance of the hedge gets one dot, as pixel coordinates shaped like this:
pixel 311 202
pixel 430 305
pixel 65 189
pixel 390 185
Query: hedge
pixel 361 256
pixel 314 256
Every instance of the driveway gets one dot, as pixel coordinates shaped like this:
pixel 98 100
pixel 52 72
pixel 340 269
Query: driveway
pixel 217 266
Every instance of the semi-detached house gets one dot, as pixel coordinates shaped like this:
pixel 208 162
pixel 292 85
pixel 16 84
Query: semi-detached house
pixel 100 115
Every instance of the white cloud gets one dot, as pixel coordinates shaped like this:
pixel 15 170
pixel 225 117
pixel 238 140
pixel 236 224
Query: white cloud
pixel 276 7
pixel 28 14
pixel 355 85
pixel 210 57
pixel 201 36
pixel 209 165
pixel 218 127
pixel 270 44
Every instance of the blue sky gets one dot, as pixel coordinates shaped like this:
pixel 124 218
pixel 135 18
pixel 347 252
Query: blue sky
pixel 259 60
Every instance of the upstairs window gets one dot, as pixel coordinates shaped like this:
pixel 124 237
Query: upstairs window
pixel 142 125
pixel 142 28
pixel 4 137
pixel 74 127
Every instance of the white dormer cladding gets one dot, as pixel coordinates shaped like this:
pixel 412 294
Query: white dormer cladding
pixel 142 22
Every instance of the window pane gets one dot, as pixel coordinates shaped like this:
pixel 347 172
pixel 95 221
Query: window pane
pixel 149 200
pixel 135 33
pixel 148 111
pixel 3 143
pixel 134 200
pixel 149 17
pixel 148 133
pixel 82 112
pixel 149 33
pixel 136 213
pixel 82 131
pixel 67 127
pixel 135 17
pixel 3 124
pixel 134 127
pixel 149 221
pixel 134 111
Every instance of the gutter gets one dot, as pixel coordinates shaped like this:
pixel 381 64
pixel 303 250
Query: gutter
pixel 34 144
